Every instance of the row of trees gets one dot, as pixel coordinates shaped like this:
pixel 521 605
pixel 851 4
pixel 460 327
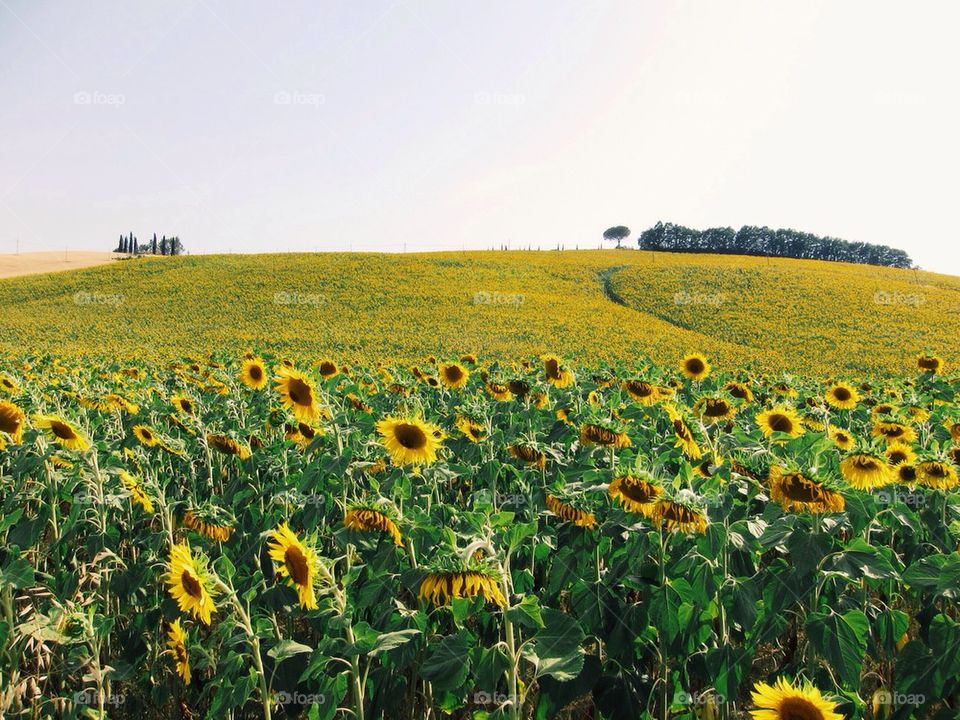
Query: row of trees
pixel 165 246
pixel 751 240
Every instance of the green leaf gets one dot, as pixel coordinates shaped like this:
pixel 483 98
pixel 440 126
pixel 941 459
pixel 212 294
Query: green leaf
pixel 527 612
pixel 556 647
pixel 286 649
pixel 448 663
pixel 389 641
pixel 862 560
pixel 842 641
pixel 18 573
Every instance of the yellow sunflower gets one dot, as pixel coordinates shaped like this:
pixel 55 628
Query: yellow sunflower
pixel 529 454
pixel 599 435
pixel 841 438
pixel 937 475
pixel 66 433
pixel 214 531
pixel 739 390
pixel 906 474
pixel 795 491
pixel 12 419
pixel 714 410
pixel 954 429
pixel 866 472
pixel 183 404
pixel 842 396
pixel 673 516
pixel 641 391
pixel 580 518
pixel 556 373
pixel 894 432
pixel 782 701
pixel 410 441
pixel 296 562
pixel 253 373
pixel 145 435
pixel 189 583
pixel 137 493
pixel 177 642
pixel 228 446
pixel 475 432
pixel 454 375
pixel 780 419
pixel 499 391
pixel 634 494
pixel 441 586
pixel 930 363
pixel 695 366
pixel 327 369
pixel 297 394
pixel 372 520
pixel 520 388
pixel 8 385
pixel 684 435
pixel 900 452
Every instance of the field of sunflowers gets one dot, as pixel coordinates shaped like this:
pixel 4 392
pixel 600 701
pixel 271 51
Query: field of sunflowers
pixel 251 536
pixel 759 314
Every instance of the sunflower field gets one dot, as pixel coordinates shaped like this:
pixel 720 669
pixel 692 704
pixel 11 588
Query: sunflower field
pixel 252 537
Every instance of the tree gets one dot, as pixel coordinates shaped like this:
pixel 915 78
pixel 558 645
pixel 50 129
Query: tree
pixel 616 233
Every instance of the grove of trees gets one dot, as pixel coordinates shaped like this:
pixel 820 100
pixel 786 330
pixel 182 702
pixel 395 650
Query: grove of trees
pixel 165 246
pixel 752 240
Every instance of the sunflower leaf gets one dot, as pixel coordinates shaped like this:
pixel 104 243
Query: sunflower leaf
pixel 842 641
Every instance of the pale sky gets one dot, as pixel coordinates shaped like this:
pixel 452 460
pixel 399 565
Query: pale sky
pixel 298 125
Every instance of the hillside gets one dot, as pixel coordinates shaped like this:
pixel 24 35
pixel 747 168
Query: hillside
pixel 774 314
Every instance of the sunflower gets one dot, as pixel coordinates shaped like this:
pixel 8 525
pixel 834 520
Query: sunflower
pixel 955 455
pixel 440 586
pixel 145 435
pixel 695 366
pixel 795 491
pixel 520 388
pixel 118 402
pixel 681 430
pixel 563 415
pixel 8 385
pixel 930 363
pixel 66 433
pixel 918 414
pixel 228 446
pixel 641 391
pixel 371 520
pixel 296 561
pixel 906 474
pixel 900 452
pixel 410 441
pixel 327 369
pixel 785 390
pixel 297 394
pixel 708 467
pixel 893 432
pixel 177 642
pixel 634 494
pixel 253 373
pixel 780 419
pixel 673 515
pixel 133 486
pixel 529 454
pixel 866 472
pixel 540 399
pixel 12 419
pixel 841 438
pixel 556 373
pixel 937 475
pixel 739 390
pixel 189 583
pixel 599 435
pixel 714 410
pixel 883 409
pixel 954 429
pixel 359 404
pixel 475 432
pixel 469 358
pixel 842 396
pixel 580 518
pixel 211 530
pixel 782 701
pixel 499 391
pixel 453 375
pixel 183 404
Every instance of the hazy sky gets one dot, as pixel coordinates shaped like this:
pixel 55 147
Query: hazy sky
pixel 243 126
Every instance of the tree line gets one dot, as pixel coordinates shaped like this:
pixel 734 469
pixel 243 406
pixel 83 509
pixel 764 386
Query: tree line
pixel 752 240
pixel 164 246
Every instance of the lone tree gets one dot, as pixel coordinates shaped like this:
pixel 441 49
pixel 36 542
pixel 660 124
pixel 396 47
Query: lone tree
pixel 617 232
